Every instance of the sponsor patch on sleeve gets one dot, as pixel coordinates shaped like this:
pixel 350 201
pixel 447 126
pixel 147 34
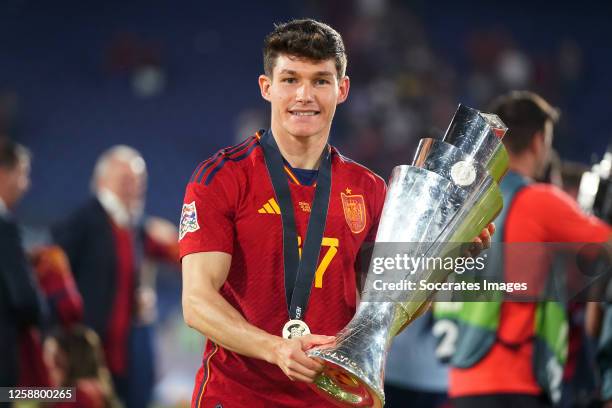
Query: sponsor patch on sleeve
pixel 189 219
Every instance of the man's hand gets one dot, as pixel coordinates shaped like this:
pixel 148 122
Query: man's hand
pixel 290 356
pixel 482 241
pixel 146 305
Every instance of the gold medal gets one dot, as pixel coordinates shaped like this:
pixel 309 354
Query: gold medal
pixel 295 328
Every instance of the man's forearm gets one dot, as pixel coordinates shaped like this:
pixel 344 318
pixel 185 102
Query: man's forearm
pixel 210 314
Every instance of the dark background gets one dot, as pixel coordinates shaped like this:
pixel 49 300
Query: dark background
pixel 178 80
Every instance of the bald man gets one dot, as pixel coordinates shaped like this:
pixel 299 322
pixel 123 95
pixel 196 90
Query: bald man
pixel 106 240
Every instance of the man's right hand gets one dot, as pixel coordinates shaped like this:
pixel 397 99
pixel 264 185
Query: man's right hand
pixel 290 356
pixel 207 311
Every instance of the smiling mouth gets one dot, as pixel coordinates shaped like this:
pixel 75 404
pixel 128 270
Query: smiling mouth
pixel 304 113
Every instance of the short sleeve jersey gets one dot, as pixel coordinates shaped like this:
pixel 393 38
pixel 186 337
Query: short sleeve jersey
pixel 538 213
pixel 230 206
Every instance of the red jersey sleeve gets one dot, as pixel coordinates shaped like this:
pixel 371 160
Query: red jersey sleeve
pixel 551 215
pixel 207 217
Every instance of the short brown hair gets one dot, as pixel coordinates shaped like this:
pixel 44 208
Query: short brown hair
pixel 525 113
pixel 12 153
pixel 306 38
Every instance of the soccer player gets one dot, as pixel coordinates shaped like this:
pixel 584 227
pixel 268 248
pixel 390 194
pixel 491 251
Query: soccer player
pixel 271 230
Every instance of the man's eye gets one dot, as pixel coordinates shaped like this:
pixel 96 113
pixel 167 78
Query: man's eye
pixel 289 80
pixel 321 82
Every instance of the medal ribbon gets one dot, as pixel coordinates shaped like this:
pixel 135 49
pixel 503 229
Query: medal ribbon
pixel 299 273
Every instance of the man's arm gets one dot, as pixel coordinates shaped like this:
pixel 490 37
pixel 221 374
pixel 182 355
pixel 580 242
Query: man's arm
pixel 205 310
pixel 161 240
pixel 23 293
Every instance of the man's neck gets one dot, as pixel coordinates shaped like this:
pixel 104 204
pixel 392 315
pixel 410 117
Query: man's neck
pixel 523 166
pixel 301 152
pixel 114 207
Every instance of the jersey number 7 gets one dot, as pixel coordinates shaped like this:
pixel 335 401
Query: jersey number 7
pixel 332 249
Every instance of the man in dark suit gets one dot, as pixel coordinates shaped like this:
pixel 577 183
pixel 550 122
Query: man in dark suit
pixel 106 240
pixel 21 304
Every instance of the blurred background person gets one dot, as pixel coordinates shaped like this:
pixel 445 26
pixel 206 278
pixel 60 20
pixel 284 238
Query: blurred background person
pixel 599 327
pixel 106 240
pixel 65 306
pixel 32 283
pixel 54 277
pixel 595 196
pixel 579 373
pixel 74 358
pixel 580 376
pixel 414 376
pixel 502 356
pixel 21 303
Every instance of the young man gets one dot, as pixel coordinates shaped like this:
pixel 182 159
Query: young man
pixel 279 205
pixel 497 361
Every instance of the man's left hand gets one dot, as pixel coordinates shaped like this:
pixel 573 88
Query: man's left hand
pixel 482 241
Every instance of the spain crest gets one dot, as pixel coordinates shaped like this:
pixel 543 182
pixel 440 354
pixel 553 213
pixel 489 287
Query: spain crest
pixel 189 219
pixel 354 212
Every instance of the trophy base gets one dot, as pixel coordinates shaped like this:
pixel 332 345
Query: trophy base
pixel 343 388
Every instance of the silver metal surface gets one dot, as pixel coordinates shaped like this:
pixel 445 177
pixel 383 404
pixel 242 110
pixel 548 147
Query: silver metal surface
pixel 479 135
pixel 470 131
pixel 441 157
pixel 444 199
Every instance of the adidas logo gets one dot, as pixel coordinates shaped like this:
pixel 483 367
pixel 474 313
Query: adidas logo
pixel 271 207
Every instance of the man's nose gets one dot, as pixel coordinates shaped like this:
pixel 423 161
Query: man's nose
pixel 304 93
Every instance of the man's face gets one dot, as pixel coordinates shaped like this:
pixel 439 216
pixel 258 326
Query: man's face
pixel 127 179
pixel 303 95
pixel 16 181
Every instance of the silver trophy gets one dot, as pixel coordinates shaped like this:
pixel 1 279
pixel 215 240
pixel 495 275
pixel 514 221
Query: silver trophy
pixel 437 204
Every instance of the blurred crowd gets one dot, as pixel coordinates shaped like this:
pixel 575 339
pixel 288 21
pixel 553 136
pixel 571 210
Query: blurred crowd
pixel 404 88
pixel 79 310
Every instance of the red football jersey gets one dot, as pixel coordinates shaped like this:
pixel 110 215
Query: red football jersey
pixel 230 206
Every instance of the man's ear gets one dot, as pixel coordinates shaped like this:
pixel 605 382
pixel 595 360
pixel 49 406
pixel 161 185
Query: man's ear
pixel 264 86
pixel 344 85
pixel 538 142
